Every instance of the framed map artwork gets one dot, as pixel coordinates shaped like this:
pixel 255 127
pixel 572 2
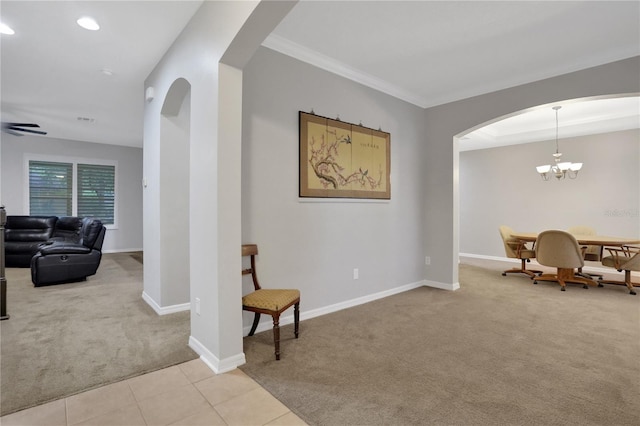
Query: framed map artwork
pixel 342 160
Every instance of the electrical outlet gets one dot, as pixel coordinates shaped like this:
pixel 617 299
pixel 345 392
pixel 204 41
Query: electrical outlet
pixel 427 260
pixel 355 274
pixel 197 306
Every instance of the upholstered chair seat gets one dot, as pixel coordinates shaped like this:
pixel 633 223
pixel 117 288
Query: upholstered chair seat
pixel 273 300
pixel 560 249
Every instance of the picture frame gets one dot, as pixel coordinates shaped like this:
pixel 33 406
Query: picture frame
pixel 343 160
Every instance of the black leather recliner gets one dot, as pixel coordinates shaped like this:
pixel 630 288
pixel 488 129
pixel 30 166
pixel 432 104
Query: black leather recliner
pixel 73 253
pixel 58 249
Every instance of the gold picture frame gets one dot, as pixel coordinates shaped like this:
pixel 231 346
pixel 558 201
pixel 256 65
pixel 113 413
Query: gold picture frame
pixel 343 160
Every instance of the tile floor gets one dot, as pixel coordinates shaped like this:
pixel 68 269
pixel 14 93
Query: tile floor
pixel 188 394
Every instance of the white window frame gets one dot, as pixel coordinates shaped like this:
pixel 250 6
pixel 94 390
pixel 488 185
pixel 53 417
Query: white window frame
pixel 74 186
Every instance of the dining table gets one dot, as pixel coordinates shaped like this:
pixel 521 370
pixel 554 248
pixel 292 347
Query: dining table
pixel 595 240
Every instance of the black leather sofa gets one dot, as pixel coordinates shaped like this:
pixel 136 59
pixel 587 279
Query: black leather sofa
pixel 57 249
pixel 23 236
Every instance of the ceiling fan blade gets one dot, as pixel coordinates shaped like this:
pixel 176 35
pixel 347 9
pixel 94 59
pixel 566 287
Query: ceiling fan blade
pixel 38 132
pixel 15 128
pixel 21 124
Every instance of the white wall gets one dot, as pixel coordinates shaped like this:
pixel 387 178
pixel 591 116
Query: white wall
pixel 214 166
pixel 128 234
pixel 314 246
pixel 499 186
pixel 174 200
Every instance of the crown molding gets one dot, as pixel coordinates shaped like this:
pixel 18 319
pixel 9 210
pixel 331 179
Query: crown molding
pixel 295 50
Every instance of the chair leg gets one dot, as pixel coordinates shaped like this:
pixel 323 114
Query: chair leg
pixel 569 275
pixel 588 276
pixel 296 317
pixel 256 320
pixel 563 286
pixel 627 282
pixel 276 335
pixel 532 273
pixel 564 276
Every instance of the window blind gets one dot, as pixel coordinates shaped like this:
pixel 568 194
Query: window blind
pixel 50 188
pixel 96 192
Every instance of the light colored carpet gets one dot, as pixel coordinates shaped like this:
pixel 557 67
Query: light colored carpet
pixel 499 351
pixel 67 338
pixel 138 255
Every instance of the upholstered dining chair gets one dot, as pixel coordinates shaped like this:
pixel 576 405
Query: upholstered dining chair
pixel 592 253
pixel 517 249
pixel 268 301
pixel 560 249
pixel 627 259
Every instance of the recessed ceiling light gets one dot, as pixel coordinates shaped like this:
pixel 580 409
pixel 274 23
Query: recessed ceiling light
pixel 5 29
pixel 88 23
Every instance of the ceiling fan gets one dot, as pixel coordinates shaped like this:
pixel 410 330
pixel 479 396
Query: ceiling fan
pixel 15 128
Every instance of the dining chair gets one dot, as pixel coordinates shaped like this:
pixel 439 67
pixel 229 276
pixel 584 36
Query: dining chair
pixel 560 249
pixel 625 258
pixel 268 301
pixel 517 249
pixel 593 253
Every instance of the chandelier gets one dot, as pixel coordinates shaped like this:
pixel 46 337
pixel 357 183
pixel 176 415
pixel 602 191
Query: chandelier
pixel 561 168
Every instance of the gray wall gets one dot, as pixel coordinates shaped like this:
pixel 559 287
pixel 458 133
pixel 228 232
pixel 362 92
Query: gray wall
pixel 315 246
pixel 445 122
pixel 128 234
pixel 499 186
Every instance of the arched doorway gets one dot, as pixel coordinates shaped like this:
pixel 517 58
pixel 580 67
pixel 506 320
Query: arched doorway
pixel 174 196
pixel 499 185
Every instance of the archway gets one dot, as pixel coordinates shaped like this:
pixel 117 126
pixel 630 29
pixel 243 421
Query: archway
pixel 500 185
pixel 174 196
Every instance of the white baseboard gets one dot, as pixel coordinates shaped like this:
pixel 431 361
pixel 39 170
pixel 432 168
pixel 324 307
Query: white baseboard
pixel 304 315
pixel 164 310
pixel 484 257
pixel 442 286
pixel 216 365
pixel 124 250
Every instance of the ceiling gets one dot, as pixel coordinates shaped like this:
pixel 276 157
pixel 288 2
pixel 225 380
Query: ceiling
pixel 52 69
pixel 424 52
pixel 575 118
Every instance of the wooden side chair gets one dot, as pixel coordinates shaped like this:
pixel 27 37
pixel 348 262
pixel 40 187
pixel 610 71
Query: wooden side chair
pixel 268 301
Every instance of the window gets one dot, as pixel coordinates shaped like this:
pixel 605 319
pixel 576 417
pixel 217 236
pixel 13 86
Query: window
pixel 96 192
pixel 50 189
pixel 72 189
